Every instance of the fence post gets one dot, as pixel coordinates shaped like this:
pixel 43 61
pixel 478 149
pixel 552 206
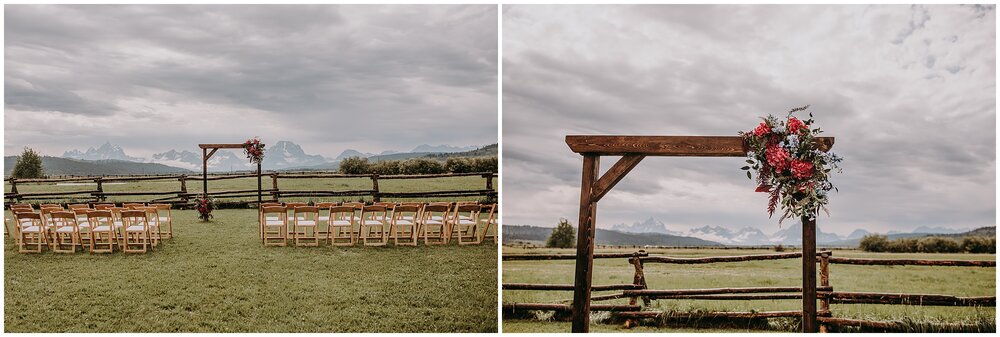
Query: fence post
pixel 274 185
pixel 638 279
pixel 100 189
pixel 184 188
pixel 375 193
pixel 489 181
pixel 13 190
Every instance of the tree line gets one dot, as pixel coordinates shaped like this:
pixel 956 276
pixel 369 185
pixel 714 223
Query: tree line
pixel 931 244
pixel 361 165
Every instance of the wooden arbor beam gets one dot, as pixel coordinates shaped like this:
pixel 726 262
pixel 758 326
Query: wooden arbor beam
pixel 633 149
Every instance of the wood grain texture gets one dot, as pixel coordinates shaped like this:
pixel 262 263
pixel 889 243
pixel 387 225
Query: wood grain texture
pixel 614 175
pixel 905 262
pixel 682 146
pixel 527 257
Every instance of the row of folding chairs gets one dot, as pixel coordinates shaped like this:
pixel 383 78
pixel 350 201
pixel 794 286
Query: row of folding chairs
pixel 131 228
pixel 346 224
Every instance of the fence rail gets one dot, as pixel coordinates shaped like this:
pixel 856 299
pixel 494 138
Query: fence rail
pixel 272 194
pixel 825 292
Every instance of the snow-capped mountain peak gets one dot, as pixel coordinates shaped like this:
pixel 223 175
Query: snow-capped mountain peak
pixel 103 152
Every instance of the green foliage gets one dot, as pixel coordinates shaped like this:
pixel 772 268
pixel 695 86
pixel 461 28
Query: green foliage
pixel 388 167
pixel 485 164
pixel 978 244
pixel 421 166
pixel 354 165
pixel 563 236
pixel 28 165
pixel 931 244
pixel 458 165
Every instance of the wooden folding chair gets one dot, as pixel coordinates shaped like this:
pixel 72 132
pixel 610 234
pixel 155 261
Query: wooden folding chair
pixel 137 231
pixel 465 223
pixel 102 231
pixel 103 207
pixel 373 221
pixel 276 218
pixel 65 229
pixel 165 219
pixel 50 206
pixel 153 221
pixel 323 219
pixel 30 232
pixel 305 217
pixel 83 224
pixel 48 228
pixel 260 216
pixel 434 224
pixel 118 225
pixel 133 205
pixel 290 206
pixel 357 210
pixel 71 207
pixel 342 221
pixel 489 222
pixel 404 224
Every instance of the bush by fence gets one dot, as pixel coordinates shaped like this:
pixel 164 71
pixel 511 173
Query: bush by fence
pixel 359 165
pixel 931 244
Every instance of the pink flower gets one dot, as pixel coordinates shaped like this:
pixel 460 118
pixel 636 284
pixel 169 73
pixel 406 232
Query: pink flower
pixel 802 169
pixel 761 130
pixel 777 158
pixel 794 125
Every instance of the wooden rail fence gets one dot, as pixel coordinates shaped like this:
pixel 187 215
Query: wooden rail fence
pixel 273 194
pixel 825 292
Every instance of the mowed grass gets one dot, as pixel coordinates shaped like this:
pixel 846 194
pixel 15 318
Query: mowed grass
pixel 217 277
pixel 311 184
pixel 959 281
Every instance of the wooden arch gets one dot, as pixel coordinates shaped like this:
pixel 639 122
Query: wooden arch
pixel 206 154
pixel 632 150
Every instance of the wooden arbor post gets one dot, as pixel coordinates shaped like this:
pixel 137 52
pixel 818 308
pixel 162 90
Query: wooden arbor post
pixel 632 150
pixel 204 166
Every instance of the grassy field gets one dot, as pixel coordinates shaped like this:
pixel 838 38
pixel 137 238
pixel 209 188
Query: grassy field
pixel 326 184
pixel 217 277
pixel 961 281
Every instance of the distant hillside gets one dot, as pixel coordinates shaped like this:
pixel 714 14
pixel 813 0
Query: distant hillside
pixel 982 231
pixel 606 237
pixel 485 151
pixel 65 166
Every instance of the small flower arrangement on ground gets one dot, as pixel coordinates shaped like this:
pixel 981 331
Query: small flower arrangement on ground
pixel 205 207
pixel 254 150
pixel 790 166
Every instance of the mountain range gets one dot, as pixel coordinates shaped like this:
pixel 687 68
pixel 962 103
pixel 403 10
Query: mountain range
pixel 282 155
pixel 750 236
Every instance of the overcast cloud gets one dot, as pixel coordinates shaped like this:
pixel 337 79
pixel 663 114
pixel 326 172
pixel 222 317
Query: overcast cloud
pixel 153 78
pixel 909 93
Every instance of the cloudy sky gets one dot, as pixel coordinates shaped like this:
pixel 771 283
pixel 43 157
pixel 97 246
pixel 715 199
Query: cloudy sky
pixel 909 93
pixel 154 78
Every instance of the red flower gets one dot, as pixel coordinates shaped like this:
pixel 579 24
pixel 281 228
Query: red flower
pixel 777 158
pixel 761 130
pixel 802 169
pixel 794 125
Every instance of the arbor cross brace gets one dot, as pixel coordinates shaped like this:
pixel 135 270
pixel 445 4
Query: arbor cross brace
pixel 632 150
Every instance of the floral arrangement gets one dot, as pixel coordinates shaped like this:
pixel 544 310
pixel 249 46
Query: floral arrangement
pixel 254 150
pixel 790 166
pixel 205 207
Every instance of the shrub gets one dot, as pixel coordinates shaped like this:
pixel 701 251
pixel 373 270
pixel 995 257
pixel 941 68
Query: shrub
pixel 421 166
pixel 459 165
pixel 354 165
pixel 563 236
pixel 978 244
pixel 935 244
pixel 874 243
pixel 28 165
pixel 388 167
pixel 485 164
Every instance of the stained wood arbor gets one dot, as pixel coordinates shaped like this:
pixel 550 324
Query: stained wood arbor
pixel 206 154
pixel 632 150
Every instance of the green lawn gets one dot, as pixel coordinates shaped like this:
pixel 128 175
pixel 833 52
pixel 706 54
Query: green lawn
pixel 217 277
pixel 324 184
pixel 961 281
